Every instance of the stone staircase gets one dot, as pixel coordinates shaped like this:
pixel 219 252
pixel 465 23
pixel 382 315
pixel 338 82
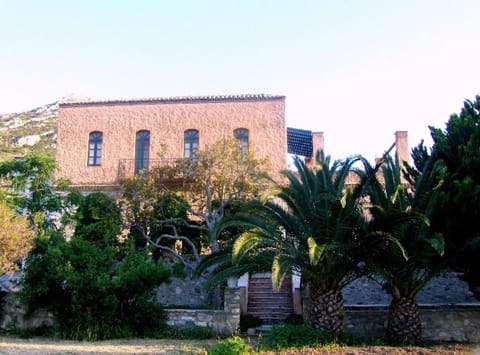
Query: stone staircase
pixel 271 306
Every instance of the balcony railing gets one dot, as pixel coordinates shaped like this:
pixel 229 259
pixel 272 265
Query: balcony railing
pixel 167 169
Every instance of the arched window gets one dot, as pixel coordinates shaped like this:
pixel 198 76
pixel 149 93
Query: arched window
pixel 95 141
pixel 191 138
pixel 242 135
pixel 142 151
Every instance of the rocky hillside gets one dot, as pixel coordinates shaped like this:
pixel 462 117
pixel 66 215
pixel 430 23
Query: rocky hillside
pixel 21 133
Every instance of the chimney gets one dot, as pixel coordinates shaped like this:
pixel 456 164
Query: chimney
pixel 317 144
pixel 401 143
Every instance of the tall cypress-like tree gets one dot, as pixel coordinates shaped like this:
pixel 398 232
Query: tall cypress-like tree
pixel 458 212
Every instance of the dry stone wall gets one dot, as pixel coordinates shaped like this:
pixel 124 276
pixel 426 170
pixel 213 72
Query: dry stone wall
pixel 224 321
pixel 459 323
pixel 14 316
pixel 189 292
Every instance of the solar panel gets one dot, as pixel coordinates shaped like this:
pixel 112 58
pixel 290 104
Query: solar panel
pixel 299 142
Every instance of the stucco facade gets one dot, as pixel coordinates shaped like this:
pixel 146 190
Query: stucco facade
pixel 166 120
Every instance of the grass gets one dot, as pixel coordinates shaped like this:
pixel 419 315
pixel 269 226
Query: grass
pixel 38 346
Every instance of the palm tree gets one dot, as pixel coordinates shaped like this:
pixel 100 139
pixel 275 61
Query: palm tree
pixel 404 251
pixel 314 226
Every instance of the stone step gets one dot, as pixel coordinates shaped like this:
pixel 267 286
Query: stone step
pixel 273 304
pixel 257 294
pixel 266 298
pixel 271 309
pixel 270 312
pixel 269 305
pixel 269 288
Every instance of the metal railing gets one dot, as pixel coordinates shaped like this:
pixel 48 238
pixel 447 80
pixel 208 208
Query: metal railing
pixel 176 168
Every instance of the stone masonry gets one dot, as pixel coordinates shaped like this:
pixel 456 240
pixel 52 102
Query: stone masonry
pixel 215 117
pixel 224 321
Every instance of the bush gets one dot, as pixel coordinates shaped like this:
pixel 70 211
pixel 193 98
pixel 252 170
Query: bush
pixel 15 238
pixel 284 336
pixel 294 336
pixel 95 287
pixel 232 346
pixel 92 294
pixel 187 332
pixel 249 321
pixel 294 319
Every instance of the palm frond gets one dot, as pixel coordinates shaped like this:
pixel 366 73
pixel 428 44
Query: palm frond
pixel 281 266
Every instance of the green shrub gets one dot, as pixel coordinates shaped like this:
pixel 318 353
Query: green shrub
pixel 188 332
pixel 294 319
pixel 295 336
pixel 96 289
pixel 41 331
pixel 249 321
pixel 285 336
pixel 178 271
pixel 231 346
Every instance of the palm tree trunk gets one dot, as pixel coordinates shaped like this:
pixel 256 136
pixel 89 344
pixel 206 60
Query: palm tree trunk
pixel 325 309
pixel 404 326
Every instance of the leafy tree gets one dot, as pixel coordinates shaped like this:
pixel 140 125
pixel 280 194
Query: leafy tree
pixel 95 289
pixel 28 184
pixel 314 226
pixel 98 220
pixel 458 213
pixel 404 252
pixel 207 186
pixel 15 238
pixel 218 176
pixel 157 218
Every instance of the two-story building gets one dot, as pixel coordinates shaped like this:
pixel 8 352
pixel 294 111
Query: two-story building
pixel 100 142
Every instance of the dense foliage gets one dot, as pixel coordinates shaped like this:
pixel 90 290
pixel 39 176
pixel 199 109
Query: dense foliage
pixel 404 251
pixel 95 289
pixel 15 238
pixel 157 218
pixel 231 346
pixel 98 220
pixel 457 215
pixel 315 226
pixel 300 336
pixel 219 175
pixel 28 185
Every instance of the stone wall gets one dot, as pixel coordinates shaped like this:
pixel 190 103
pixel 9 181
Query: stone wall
pixel 167 119
pixel 14 316
pixel 224 321
pixel 440 323
pixel 185 292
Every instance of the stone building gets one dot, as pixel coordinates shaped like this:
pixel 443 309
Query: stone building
pixel 100 142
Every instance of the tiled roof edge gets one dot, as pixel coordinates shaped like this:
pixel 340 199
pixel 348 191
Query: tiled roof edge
pixel 176 99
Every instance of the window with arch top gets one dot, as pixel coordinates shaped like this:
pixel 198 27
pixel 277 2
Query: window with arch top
pixel 142 151
pixel 191 138
pixel 95 141
pixel 242 135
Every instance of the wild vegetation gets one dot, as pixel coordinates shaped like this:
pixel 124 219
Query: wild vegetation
pixel 457 215
pixel 27 132
pixel 386 226
pixel 207 187
pixel 405 252
pixel 15 238
pixel 96 285
pixel 399 224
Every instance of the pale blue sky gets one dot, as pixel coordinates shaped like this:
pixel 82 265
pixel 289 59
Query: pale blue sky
pixel 356 70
